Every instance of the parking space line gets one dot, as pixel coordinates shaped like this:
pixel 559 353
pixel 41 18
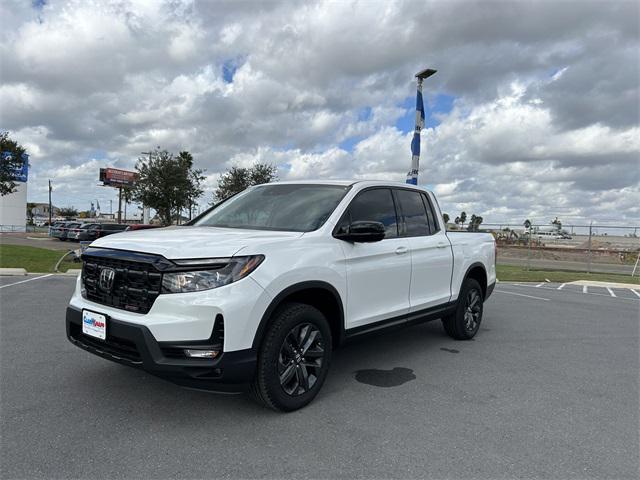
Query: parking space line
pixel 539 285
pixel 584 289
pixel 577 292
pixel 522 295
pixel 27 280
pixel 561 286
pixel 610 292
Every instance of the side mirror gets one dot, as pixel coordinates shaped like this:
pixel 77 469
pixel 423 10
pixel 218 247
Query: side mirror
pixel 361 231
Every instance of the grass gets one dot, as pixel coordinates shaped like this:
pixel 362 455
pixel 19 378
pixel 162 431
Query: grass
pixel 510 273
pixel 33 259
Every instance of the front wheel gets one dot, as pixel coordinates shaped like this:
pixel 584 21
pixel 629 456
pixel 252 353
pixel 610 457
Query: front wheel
pixel 464 323
pixel 294 358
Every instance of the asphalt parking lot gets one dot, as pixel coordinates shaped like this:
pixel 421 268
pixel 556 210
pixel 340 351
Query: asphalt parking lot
pixel 548 389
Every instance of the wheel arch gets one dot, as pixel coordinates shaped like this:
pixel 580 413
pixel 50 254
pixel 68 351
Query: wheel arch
pixel 478 272
pixel 321 295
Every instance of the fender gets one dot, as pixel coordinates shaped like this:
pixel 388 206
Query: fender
pixel 486 277
pixel 298 287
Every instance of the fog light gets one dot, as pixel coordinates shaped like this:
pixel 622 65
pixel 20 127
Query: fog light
pixel 201 353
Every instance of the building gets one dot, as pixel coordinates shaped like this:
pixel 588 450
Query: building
pixel 13 207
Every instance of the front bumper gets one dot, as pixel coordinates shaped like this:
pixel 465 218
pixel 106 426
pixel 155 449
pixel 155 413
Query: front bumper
pixel 134 345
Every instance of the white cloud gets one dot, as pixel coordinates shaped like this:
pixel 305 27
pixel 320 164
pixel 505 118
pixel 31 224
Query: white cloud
pixel 533 130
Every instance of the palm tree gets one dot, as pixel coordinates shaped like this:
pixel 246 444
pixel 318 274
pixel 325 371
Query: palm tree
pixel 463 218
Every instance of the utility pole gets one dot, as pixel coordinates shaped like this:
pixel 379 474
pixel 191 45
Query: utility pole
pixel 49 204
pixel 119 204
pixel 589 261
pixel 110 207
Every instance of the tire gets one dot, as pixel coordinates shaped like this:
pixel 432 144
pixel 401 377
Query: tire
pixel 464 323
pixel 292 366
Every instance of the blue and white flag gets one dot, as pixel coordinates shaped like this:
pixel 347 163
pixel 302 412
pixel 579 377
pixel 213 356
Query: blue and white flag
pixel 412 176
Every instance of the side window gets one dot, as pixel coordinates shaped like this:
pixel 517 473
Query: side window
pixel 434 225
pixel 375 205
pixel 415 216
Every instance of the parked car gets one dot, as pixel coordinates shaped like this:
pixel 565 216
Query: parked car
pixel 141 226
pixel 64 229
pixel 81 232
pixel 56 229
pixel 101 230
pixel 257 292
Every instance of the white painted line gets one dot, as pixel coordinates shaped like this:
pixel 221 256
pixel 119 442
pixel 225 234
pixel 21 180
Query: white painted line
pixel 610 292
pixel 523 295
pixel 539 285
pixel 635 291
pixel 27 280
pixel 561 286
pixel 619 299
pixel 584 289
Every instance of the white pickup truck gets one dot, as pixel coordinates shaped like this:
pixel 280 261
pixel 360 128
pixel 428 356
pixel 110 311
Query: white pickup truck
pixel 256 292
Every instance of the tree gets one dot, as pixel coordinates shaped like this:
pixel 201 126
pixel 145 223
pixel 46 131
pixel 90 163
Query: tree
pixel 30 207
pixel 445 217
pixel 12 160
pixel 557 224
pixel 167 184
pixel 463 218
pixel 475 222
pixel 68 212
pixel 127 197
pixel 237 179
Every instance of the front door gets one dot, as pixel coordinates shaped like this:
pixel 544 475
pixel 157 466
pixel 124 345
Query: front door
pixel 378 273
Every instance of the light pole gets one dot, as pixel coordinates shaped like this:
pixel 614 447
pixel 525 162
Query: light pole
pixel 412 176
pixel 49 205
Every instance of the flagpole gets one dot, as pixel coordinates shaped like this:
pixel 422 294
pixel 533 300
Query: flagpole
pixel 412 176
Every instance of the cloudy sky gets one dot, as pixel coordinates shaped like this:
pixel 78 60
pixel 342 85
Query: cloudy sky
pixel 534 111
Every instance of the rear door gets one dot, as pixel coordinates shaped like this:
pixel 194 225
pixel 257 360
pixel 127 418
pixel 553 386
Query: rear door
pixel 431 254
pixel 378 273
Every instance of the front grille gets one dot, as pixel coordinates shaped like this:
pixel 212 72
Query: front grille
pixel 120 348
pixel 136 284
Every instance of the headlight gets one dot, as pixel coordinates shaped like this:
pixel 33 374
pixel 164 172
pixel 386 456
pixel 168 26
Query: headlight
pixel 212 273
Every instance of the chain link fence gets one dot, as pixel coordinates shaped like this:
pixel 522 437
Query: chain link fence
pixel 589 248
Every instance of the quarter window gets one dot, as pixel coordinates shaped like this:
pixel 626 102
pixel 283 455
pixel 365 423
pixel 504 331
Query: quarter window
pixel 434 225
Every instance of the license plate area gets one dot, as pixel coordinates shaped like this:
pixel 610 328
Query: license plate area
pixel 94 324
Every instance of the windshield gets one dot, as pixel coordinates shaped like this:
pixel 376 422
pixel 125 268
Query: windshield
pixel 294 208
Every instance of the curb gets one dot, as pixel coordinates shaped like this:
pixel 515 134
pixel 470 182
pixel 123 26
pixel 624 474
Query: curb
pixel 12 272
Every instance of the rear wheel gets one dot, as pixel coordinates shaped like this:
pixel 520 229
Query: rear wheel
pixel 294 358
pixel 464 323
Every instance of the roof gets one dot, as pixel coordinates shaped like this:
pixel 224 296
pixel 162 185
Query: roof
pixel 364 183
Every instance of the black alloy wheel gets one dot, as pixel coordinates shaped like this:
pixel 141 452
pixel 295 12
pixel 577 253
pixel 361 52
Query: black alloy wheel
pixel 293 358
pixel 464 323
pixel 473 310
pixel 300 359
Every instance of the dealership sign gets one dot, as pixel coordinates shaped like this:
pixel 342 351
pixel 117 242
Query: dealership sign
pixel 117 178
pixel 21 173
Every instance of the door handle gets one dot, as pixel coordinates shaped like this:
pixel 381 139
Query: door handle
pixel 401 250
pixel 442 245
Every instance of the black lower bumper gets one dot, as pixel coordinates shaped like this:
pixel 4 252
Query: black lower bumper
pixel 134 345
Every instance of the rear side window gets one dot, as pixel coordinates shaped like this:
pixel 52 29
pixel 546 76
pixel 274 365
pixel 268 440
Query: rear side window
pixel 434 225
pixel 376 206
pixel 416 222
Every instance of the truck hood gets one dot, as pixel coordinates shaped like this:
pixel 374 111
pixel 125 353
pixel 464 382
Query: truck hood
pixel 192 242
